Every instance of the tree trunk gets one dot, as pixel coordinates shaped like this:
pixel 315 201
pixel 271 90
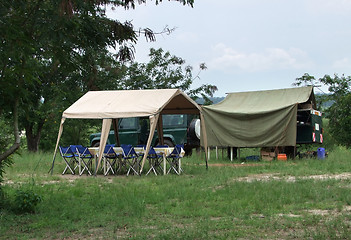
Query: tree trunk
pixel 17 142
pixel 33 139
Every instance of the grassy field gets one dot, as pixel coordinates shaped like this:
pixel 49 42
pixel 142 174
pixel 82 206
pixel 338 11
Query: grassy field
pixel 303 199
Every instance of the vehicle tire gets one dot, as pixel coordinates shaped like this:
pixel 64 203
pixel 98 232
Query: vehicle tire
pixel 96 144
pixel 194 130
pixel 168 142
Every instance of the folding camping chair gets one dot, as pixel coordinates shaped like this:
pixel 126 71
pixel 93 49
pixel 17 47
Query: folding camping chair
pixel 131 159
pixel 110 159
pixel 155 161
pixel 70 158
pixel 174 159
pixel 85 158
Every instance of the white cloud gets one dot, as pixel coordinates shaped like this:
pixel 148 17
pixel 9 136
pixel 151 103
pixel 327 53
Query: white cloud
pixel 344 63
pixel 228 58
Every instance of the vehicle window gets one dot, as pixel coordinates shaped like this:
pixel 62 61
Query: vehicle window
pixel 127 123
pixel 173 120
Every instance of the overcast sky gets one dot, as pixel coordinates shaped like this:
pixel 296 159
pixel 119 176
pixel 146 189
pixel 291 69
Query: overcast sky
pixel 250 45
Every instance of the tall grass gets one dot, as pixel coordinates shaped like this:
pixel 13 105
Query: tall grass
pixel 225 202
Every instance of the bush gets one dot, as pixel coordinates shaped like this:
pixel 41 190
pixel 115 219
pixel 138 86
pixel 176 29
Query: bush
pixel 26 201
pixel 5 163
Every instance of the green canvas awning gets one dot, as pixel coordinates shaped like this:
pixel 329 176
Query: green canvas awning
pixel 256 119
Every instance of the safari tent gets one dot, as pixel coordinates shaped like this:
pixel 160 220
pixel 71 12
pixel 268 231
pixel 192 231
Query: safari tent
pixel 113 105
pixel 257 118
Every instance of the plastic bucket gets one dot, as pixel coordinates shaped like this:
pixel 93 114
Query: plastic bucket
pixel 321 153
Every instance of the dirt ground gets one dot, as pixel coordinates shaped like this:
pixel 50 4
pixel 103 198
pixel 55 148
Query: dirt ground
pixel 275 176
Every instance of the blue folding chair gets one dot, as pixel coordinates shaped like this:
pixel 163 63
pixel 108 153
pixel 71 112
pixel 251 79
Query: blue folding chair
pixel 155 161
pixel 70 158
pixel 174 159
pixel 131 159
pixel 85 158
pixel 110 159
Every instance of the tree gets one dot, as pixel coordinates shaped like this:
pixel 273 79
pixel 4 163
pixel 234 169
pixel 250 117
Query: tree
pixel 165 71
pixel 52 52
pixel 339 113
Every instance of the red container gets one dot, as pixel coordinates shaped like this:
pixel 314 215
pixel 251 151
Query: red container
pixel 282 157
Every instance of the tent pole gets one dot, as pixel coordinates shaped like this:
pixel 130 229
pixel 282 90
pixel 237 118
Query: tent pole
pixel 106 125
pixel 160 130
pixel 231 154
pixel 57 143
pixel 153 122
pixel 115 129
pixel 204 136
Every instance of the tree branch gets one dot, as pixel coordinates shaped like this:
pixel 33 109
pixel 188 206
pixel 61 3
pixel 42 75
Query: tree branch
pixel 17 142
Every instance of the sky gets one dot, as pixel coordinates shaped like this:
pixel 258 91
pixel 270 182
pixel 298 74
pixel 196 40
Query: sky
pixel 249 45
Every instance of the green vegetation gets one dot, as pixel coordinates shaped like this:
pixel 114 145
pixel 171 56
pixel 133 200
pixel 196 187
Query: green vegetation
pixel 306 198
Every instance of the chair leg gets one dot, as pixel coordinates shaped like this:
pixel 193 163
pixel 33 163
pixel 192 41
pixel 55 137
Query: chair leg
pixel 109 167
pixel 68 163
pixel 173 166
pixel 121 165
pixel 159 165
pixel 152 166
pixel 132 163
pixel 85 166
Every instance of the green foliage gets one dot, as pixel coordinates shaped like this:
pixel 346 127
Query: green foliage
pixel 165 71
pixel 329 143
pixel 25 201
pixel 3 164
pixel 340 120
pixel 52 52
pixel 6 137
pixel 6 133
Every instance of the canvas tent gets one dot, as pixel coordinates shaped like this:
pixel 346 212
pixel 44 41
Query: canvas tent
pixel 256 119
pixel 112 105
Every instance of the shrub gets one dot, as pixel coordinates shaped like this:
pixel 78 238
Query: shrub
pixel 5 163
pixel 25 201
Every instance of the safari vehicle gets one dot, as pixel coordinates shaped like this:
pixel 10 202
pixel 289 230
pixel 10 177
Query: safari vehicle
pixel 177 129
pixel 309 126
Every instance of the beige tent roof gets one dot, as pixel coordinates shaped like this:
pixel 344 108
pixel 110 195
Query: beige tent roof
pixel 108 105
pixel 131 103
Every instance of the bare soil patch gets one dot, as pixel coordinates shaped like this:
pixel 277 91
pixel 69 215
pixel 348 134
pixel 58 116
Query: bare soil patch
pixel 233 164
pixel 276 176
